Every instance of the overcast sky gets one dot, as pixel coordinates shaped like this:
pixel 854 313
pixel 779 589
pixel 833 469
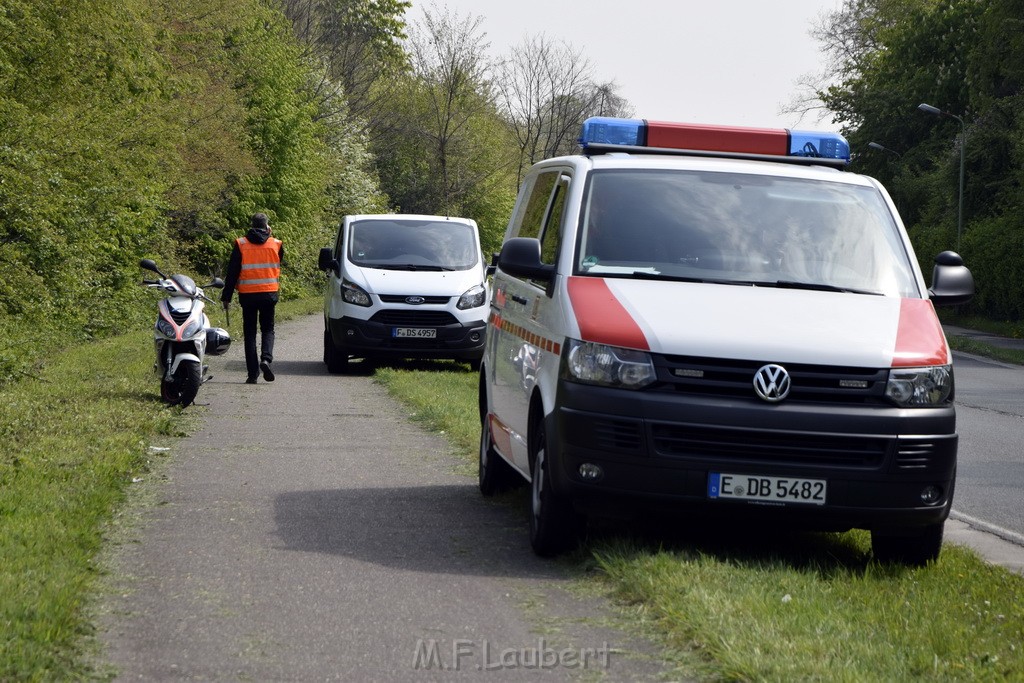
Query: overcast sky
pixel 731 62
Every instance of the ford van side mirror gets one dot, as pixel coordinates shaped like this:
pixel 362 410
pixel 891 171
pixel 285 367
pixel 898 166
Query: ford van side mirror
pixel 327 262
pixel 952 282
pixel 493 265
pixel 520 257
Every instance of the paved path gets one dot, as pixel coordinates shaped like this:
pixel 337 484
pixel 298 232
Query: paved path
pixel 309 531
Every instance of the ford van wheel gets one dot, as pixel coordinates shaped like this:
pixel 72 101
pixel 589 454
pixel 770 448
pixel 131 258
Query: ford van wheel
pixel 335 358
pixel 553 523
pixel 916 549
pixel 494 474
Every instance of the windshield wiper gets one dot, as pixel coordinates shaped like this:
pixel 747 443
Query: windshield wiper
pixel 816 286
pixel 414 266
pixel 647 275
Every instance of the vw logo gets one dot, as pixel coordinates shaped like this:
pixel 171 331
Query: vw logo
pixel 414 300
pixel 771 382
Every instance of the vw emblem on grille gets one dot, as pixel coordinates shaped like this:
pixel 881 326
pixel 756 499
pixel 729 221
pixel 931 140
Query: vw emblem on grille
pixel 771 382
pixel 414 300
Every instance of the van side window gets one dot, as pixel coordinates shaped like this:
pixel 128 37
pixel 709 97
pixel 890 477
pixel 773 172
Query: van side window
pixel 551 238
pixel 532 217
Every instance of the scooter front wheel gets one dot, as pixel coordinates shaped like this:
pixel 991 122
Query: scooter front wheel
pixel 183 387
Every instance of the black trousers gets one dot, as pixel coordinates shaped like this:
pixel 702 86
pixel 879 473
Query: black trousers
pixel 257 313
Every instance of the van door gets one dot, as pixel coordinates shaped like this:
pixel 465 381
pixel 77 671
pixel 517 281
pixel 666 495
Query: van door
pixel 527 335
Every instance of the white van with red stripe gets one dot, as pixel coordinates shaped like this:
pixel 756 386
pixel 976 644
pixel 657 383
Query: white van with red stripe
pixel 720 319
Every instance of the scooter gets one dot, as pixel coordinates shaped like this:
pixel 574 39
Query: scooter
pixel 183 335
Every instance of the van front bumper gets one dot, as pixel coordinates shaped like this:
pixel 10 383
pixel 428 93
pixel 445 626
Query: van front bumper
pixel 365 338
pixel 661 448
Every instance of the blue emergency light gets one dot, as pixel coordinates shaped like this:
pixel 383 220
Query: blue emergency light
pixel 602 133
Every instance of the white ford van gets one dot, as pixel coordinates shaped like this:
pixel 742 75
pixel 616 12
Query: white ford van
pixel 719 320
pixel 404 286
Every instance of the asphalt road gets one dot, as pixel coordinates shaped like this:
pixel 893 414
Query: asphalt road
pixel 310 531
pixel 990 420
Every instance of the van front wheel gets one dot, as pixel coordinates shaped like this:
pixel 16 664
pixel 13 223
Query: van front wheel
pixel 336 359
pixel 916 548
pixel 554 525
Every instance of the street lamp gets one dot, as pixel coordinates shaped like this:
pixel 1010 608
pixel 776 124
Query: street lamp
pixel 883 148
pixel 935 111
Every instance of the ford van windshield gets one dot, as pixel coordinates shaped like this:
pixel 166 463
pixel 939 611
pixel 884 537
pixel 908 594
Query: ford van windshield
pixel 742 229
pixel 412 245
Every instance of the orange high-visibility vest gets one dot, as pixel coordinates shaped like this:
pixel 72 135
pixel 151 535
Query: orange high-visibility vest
pixel 261 266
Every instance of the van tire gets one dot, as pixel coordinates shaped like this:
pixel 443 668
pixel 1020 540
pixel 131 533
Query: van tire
pixel 494 474
pixel 335 358
pixel 915 549
pixel 554 525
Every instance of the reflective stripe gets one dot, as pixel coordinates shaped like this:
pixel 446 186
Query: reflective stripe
pixel 261 266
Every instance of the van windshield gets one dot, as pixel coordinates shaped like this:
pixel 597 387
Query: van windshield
pixel 398 244
pixel 742 229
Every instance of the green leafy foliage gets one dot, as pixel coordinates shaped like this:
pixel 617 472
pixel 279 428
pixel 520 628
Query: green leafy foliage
pixel 136 128
pixel 964 57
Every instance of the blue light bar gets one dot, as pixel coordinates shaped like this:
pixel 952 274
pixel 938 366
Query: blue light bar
pixel 604 130
pixel 819 145
pixel 601 132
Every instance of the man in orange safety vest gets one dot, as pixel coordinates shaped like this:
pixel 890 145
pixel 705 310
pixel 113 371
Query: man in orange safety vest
pixel 255 270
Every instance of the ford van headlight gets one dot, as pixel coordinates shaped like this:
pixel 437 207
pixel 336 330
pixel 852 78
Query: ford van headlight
pixel 609 366
pixel 473 298
pixel 352 293
pixel 920 387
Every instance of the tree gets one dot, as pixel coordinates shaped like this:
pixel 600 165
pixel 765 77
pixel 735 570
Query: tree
pixel 545 92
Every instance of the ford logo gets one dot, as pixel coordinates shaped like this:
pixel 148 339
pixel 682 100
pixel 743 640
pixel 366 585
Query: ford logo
pixel 414 300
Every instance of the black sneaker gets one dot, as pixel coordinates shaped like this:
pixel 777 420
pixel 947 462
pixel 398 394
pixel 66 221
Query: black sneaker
pixel 250 380
pixel 268 374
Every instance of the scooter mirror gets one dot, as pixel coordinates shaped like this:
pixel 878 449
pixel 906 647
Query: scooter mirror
pixel 148 264
pixel 217 283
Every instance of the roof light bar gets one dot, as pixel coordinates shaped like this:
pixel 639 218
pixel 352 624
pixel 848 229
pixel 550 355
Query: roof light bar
pixel 602 132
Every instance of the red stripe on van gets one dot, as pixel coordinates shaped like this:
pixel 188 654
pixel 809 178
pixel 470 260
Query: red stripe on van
pixel 919 337
pixel 601 317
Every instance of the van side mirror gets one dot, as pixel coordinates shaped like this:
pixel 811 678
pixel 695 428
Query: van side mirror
pixel 326 261
pixel 492 266
pixel 952 282
pixel 520 257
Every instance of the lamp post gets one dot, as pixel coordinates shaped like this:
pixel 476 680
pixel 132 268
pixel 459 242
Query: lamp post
pixel 883 148
pixel 935 111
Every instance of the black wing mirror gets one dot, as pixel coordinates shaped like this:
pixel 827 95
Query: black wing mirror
pixel 952 282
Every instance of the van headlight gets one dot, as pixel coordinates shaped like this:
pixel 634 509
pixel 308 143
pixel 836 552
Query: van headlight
pixel 473 298
pixel 609 366
pixel 920 387
pixel 351 293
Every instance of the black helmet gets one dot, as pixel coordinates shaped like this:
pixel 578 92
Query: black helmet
pixel 217 341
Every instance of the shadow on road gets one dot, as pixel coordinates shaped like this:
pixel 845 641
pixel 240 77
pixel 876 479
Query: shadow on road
pixel 444 529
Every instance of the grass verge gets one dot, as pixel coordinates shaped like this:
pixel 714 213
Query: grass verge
pixel 72 438
pixel 762 604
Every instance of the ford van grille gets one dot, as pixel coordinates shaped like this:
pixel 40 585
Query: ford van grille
pixel 404 299
pixel 734 378
pixel 769 446
pixel 414 318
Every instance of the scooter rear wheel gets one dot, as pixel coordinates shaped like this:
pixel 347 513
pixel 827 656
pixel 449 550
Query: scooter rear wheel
pixel 183 388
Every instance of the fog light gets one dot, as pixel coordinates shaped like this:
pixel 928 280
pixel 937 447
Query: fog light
pixel 350 333
pixel 474 336
pixel 931 495
pixel 590 472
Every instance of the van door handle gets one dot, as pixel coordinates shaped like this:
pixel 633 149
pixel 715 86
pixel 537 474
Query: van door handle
pixel 520 299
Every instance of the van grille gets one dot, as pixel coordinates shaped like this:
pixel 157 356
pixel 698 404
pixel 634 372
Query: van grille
pixel 768 446
pixel 414 318
pixel 733 378
pixel 401 299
